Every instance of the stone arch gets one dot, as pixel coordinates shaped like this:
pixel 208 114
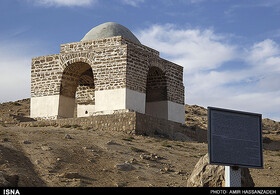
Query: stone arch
pixel 68 59
pixel 156 93
pixel 77 86
pixel 155 61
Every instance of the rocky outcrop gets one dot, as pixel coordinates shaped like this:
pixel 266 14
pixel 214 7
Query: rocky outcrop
pixel 205 175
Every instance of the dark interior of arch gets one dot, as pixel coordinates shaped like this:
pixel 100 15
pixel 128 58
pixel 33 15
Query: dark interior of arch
pixel 156 89
pixel 77 80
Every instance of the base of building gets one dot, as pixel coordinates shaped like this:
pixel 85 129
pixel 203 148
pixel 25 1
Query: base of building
pixel 129 122
pixel 108 102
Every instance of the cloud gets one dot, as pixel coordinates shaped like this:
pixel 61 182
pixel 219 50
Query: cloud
pixel 262 51
pixel 79 3
pixel 134 3
pixel 218 73
pixel 67 3
pixel 195 49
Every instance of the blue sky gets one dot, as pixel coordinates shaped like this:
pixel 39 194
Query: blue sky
pixel 230 49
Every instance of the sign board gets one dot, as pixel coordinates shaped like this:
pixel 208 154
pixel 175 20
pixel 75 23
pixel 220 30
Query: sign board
pixel 235 138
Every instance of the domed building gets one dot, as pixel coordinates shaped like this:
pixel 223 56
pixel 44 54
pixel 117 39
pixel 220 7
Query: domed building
pixel 109 71
pixel 110 29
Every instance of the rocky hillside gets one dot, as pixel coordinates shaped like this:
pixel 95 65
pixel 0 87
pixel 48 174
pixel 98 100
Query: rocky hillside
pixel 71 156
pixel 196 116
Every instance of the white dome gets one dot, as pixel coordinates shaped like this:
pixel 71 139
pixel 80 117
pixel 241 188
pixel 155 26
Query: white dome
pixel 110 29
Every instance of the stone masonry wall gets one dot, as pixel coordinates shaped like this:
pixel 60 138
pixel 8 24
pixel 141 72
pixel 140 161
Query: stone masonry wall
pixel 90 45
pixel 45 75
pixel 149 125
pixel 108 63
pixel 85 95
pixel 114 122
pixel 175 86
pixel 116 63
pixel 139 61
pixel 129 122
pixel 85 92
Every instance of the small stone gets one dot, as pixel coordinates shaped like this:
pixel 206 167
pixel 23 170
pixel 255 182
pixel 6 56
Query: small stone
pixel 26 142
pixel 133 161
pixel 91 160
pixel 111 143
pixel 37 162
pixel 165 170
pixel 119 184
pixel 67 136
pixel 46 148
pixel 5 140
pixel 144 156
pixel 70 175
pixel 87 147
pixel 179 172
pixel 125 167
pixel 141 178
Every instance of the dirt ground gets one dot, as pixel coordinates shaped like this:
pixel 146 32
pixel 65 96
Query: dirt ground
pixel 45 157
pixel 64 157
pixel 68 157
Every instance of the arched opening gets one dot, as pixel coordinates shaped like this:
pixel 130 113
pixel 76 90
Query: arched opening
pixel 156 93
pixel 77 88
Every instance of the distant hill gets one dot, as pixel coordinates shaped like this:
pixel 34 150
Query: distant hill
pixel 196 116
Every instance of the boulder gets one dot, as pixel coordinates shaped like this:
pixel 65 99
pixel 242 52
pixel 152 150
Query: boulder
pixel 205 175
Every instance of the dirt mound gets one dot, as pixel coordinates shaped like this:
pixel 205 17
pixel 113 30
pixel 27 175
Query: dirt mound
pixel 15 112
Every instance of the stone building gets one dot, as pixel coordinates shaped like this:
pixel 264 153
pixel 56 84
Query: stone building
pixel 108 71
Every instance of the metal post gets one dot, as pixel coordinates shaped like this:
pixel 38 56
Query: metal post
pixel 232 176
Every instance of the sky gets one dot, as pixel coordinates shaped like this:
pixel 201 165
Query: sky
pixel 230 49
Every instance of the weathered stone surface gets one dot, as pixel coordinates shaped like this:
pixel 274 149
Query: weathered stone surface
pixel 205 175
